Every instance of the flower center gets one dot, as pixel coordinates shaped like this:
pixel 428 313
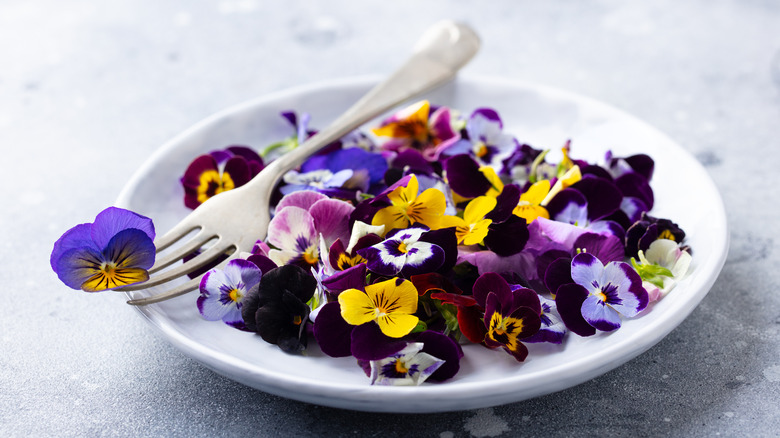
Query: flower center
pixel 297 320
pixel 400 367
pixel 402 248
pixel 480 149
pixel 666 234
pixel 235 294
pixel 211 183
pixel 311 256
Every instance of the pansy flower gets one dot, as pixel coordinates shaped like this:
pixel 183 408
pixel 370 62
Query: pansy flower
pixel 222 292
pixel 510 315
pixel 276 309
pixel 391 304
pixel 530 205
pixel 403 252
pixel 409 366
pixel 363 236
pixel 661 267
pixel 301 218
pixel 415 127
pixel 219 171
pixel 599 294
pixel 366 169
pixel 486 141
pixel 468 179
pixel 116 250
pixel 649 229
pixel 409 207
pixel 552 329
pixel 472 228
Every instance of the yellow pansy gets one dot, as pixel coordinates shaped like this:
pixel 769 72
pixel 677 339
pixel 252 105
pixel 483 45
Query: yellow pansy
pixel 408 208
pixel 390 303
pixel 529 207
pixel 473 227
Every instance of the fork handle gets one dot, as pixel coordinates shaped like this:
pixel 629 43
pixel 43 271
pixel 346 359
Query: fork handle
pixel 439 54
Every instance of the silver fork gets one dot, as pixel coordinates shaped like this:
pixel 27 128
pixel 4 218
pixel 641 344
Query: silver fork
pixel 239 217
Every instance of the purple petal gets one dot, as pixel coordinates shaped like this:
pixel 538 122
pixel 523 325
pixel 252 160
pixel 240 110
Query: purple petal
pixel 506 202
pixel 464 176
pixel 569 206
pixel 524 297
pixel 587 270
pixel 636 186
pixel 606 248
pixel 422 258
pixel 302 199
pixel 352 278
pixel 369 343
pixel 79 236
pixel 603 196
pixel 633 296
pixel 558 273
pixel 331 219
pixel 131 248
pixel 112 220
pixel 243 271
pixel 569 299
pixel 76 265
pixel 333 334
pixel 507 238
pixel 445 239
pixel 444 348
pixel 493 282
pixel 238 170
pixel 599 315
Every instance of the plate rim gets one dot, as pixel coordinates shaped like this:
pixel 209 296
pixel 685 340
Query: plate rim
pixel 332 394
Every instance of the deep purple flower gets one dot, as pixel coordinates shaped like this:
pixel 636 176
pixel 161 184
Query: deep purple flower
pixel 403 252
pixel 222 292
pixel 601 294
pixel 510 315
pixel 115 250
pixel 277 308
pixel 649 229
pixel 219 171
pixel 367 168
pixel 486 141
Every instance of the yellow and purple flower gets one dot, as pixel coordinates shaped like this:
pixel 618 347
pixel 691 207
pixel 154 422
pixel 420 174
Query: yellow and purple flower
pixel 116 250
pixel 219 171
pixel 416 127
pixel 485 141
pixel 391 304
pixel 407 367
pixel 404 252
pixel 408 207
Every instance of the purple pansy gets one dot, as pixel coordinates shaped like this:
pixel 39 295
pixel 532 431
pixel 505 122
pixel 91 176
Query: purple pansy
pixel 115 250
pixel 367 168
pixel 409 366
pixel 301 218
pixel 599 294
pixel 217 172
pixel 510 315
pixel 404 253
pixel 647 230
pixel 222 292
pixel 486 141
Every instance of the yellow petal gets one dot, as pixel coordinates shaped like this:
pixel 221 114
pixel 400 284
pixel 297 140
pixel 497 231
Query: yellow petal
pixel 409 122
pixel 536 193
pixel 495 181
pixel 452 221
pixel 570 177
pixel 393 296
pixel 391 217
pixel 531 212
pixel 428 208
pixel 478 208
pixel 477 232
pixel 397 326
pixel 356 307
pixel 111 278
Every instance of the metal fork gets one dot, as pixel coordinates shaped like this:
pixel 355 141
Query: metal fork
pixel 239 217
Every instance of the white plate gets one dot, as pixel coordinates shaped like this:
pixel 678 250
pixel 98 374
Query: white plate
pixel 540 116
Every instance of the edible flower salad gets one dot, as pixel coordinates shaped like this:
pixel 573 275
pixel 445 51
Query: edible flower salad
pixel 397 245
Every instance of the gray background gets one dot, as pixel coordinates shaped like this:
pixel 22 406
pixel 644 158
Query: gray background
pixel 89 89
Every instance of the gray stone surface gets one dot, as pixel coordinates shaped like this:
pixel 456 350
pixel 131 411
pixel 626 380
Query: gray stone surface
pixel 89 89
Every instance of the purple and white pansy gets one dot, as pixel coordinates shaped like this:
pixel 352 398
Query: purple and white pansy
pixel 395 246
pixel 222 292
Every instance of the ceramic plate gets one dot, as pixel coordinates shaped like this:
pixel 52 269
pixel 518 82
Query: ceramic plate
pixel 540 116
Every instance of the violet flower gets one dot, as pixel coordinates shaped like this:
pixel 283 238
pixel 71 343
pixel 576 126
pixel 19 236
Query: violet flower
pixel 222 292
pixel 486 142
pixel 599 294
pixel 116 250
pixel 217 172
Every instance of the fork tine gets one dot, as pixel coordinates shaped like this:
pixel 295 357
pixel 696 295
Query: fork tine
pixel 196 263
pixel 193 244
pixel 177 232
pixel 178 290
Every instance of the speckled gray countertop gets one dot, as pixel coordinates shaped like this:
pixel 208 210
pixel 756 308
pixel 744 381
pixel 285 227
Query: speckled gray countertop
pixel 89 89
